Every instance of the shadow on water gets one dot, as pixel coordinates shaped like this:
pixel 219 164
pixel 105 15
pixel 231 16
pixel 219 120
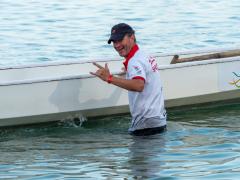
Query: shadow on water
pixel 68 128
pixel 210 115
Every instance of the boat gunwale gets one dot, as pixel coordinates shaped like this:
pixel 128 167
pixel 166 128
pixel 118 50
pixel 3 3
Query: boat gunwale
pixel 85 76
pixel 71 62
pixel 202 62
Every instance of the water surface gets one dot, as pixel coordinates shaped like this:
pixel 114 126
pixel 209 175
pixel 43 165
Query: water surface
pixel 200 143
pixel 41 31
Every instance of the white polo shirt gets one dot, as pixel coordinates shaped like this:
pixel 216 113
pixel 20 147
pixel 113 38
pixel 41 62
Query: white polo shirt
pixel 146 107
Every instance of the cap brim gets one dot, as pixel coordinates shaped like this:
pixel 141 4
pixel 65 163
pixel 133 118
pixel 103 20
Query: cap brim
pixel 116 37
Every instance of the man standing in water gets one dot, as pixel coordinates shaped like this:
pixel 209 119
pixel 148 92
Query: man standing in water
pixel 142 81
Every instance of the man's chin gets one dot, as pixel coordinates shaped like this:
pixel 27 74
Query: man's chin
pixel 122 54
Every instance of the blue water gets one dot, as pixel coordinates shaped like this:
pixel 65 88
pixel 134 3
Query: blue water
pixel 200 143
pixel 33 31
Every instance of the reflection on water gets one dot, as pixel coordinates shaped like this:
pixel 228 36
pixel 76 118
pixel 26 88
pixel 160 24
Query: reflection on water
pixel 145 159
pixel 200 143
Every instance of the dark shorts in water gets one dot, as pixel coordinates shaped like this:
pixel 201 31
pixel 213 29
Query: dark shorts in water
pixel 149 131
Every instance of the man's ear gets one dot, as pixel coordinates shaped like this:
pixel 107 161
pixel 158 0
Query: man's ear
pixel 132 37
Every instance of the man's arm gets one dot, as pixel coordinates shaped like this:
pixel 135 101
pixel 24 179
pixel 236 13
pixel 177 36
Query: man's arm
pixel 131 84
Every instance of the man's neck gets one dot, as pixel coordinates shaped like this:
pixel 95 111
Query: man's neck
pixel 130 54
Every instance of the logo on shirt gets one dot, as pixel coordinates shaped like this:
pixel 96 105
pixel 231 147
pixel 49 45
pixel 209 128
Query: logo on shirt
pixel 153 63
pixel 137 69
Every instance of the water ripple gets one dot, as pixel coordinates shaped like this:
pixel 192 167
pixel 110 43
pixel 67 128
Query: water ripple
pixel 74 24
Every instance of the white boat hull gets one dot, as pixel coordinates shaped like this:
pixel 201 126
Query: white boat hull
pixel 43 93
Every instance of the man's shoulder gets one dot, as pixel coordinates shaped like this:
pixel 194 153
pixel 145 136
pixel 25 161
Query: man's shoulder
pixel 142 52
pixel 140 56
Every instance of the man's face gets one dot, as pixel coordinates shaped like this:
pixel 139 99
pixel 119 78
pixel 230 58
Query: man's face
pixel 124 46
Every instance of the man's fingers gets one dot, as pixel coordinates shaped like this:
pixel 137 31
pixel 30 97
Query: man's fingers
pixel 106 66
pixel 98 65
pixel 92 73
pixel 97 73
pixel 102 72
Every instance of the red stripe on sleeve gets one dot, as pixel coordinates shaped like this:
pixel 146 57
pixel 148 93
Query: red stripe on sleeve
pixel 139 77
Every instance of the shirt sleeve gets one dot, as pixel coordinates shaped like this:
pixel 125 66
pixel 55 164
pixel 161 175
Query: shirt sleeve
pixel 136 71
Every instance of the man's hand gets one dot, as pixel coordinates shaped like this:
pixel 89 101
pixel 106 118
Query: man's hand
pixel 128 84
pixel 102 72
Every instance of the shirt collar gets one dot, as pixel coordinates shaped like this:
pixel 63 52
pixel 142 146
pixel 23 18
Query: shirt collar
pixel 130 55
